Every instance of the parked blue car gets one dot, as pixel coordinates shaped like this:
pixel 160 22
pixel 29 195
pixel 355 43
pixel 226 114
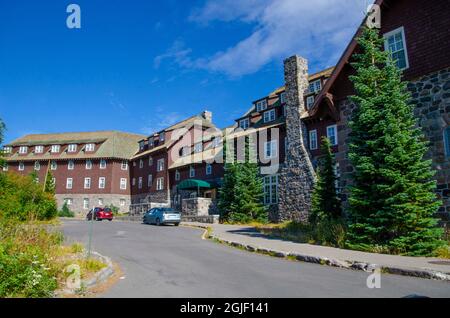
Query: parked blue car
pixel 160 216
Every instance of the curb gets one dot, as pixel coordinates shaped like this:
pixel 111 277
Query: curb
pixel 354 265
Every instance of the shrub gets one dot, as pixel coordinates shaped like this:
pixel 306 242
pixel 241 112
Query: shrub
pixel 65 211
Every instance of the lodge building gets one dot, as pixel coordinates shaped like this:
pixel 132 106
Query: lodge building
pixel 180 165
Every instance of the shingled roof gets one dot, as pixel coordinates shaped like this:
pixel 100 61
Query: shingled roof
pixel 110 144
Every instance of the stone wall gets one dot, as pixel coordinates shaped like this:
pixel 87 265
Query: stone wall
pixel 297 176
pixel 157 197
pixel 431 96
pixel 196 206
pixel 108 199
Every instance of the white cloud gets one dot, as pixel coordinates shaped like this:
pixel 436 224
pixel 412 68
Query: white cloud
pixel 318 30
pixel 161 119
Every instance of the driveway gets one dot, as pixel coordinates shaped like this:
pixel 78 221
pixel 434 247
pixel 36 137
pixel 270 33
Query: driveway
pixel 173 261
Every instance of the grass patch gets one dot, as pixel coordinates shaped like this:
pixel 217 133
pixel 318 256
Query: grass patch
pixel 443 252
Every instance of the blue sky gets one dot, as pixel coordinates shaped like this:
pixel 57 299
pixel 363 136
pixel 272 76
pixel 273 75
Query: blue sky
pixel 139 66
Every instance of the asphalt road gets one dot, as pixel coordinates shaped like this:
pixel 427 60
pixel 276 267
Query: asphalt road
pixel 173 261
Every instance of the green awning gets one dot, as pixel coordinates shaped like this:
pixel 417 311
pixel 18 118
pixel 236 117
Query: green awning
pixel 193 184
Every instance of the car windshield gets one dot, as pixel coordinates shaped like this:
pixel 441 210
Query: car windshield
pixel 107 210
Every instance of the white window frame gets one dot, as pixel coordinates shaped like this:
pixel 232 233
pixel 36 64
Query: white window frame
pixel 123 183
pixel 313 141
pixel 7 150
pixel 122 202
pixel 160 165
pixel 315 86
pixel 70 165
pixel 69 183
pixel 72 148
pixel 191 172
pixel 269 183
pixel 37 165
pixel 68 201
pixel 140 183
pixel 273 144
pixel 177 175
pixel 100 201
pixel 101 182
pixel 53 165
pixel 141 163
pixel 269 116
pixel 149 180
pixel 55 149
pixel 389 34
pixel 90 147
pixel 309 101
pixel 283 98
pixel 124 165
pixel 21 166
pixel 208 169
pixel 334 127
pixel 86 203
pixel 261 105
pixel 38 149
pixel 244 123
pixel 88 164
pixel 103 164
pixel 87 183
pixel 23 150
pixel 160 184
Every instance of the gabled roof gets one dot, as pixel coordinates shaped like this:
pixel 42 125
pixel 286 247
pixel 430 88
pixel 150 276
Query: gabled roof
pixel 110 144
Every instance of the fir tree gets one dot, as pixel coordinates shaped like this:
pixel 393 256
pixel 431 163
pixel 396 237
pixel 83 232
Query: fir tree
pixel 325 202
pixel 2 129
pixel 49 184
pixel 392 201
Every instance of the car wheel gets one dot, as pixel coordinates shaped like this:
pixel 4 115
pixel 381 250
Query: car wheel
pixel 176 224
pixel 158 222
pixel 110 220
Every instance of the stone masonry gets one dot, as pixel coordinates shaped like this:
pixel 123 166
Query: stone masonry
pixel 78 199
pixel 431 96
pixel 297 176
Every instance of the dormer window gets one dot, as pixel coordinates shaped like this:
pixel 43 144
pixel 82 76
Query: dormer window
pixel 55 148
pixel 261 105
pixel 141 145
pixel 315 86
pixel 162 136
pixel 7 149
pixel 198 147
pixel 72 148
pixel 309 102
pixel 90 147
pixel 38 149
pixel 23 150
pixel 283 98
pixel 244 123
pixel 269 116
pixel 103 164
pixel 151 142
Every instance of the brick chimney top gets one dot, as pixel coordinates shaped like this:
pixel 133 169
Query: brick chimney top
pixel 207 115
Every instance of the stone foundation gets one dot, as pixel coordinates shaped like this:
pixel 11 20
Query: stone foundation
pixel 108 199
pixel 197 207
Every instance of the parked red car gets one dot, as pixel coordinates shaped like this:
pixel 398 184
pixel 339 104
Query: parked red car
pixel 100 214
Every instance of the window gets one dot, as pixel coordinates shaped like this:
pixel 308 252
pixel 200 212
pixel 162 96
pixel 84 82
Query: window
pixel 160 184
pixel 53 165
pixel 38 149
pixel 150 161
pixel 70 165
pixel 185 151
pixel 69 183
pixel 7 149
pixel 447 141
pixel 37 165
pixel 86 203
pixel 177 175
pixel 162 136
pixel 141 145
pixel 191 172
pixel 332 134
pixel 21 166
pixel 313 139
pixel 270 149
pixel 72 148
pixel 198 147
pixel 160 165
pixel 309 101
pixel 208 169
pixel 103 164
pixel 54 181
pixel 150 181
pixel 269 116
pixel 36 179
pixel 90 147
pixel 100 201
pixel 395 44
pixel 216 142
pixel 270 189
pixel 315 86
pixel 5 167
pixel 55 148
pixel 101 182
pixel 87 183
pixel 283 98
pixel 261 105
pixel 140 183
pixel 23 150
pixel 141 163
pixel 151 142
pixel 122 202
pixel 68 201
pixel 88 164
pixel 123 183
pixel 244 123
pixel 133 182
pixel 124 165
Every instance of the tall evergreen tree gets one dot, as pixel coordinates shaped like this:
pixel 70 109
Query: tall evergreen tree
pixel 392 201
pixel 325 201
pixel 49 184
pixel 2 129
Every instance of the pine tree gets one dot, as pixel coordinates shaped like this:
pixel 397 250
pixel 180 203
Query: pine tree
pixel 226 198
pixel 2 129
pixel 325 202
pixel 392 201
pixel 49 184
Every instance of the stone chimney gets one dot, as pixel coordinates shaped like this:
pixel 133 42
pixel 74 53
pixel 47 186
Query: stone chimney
pixel 297 176
pixel 207 115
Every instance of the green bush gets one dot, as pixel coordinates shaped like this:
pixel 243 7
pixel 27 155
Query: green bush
pixel 22 198
pixel 65 211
